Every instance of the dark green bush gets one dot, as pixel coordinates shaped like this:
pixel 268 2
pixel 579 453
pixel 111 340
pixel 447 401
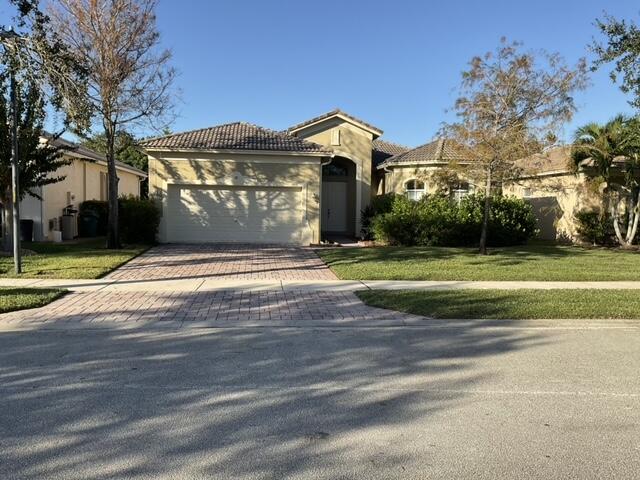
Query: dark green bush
pixel 98 209
pixel 379 205
pixel 139 218
pixel 594 227
pixel 437 220
pixel 512 221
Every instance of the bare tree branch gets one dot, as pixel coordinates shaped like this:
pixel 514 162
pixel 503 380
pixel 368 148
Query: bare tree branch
pixel 130 77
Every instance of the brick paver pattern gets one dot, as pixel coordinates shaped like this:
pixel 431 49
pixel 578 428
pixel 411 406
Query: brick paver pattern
pixel 209 308
pixel 225 262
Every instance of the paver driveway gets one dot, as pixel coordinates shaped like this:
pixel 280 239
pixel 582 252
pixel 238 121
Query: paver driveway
pixel 224 308
pixel 226 261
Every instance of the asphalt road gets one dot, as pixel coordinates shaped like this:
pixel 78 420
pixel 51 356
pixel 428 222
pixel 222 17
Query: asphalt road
pixel 516 400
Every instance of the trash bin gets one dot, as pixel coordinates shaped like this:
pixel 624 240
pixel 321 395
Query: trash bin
pixel 69 223
pixel 26 230
pixel 68 230
pixel 88 225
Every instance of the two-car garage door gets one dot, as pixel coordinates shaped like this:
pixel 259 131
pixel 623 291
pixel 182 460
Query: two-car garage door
pixel 199 214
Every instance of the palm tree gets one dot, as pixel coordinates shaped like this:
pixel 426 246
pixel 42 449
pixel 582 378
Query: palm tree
pixel 613 150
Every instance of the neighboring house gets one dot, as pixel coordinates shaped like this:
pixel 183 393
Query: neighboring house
pixel 556 191
pixel 243 183
pixel 85 179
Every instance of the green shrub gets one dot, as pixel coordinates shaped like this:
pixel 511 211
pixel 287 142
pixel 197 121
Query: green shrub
pixel 437 220
pixel 511 221
pixel 594 227
pixel 138 218
pixel 379 205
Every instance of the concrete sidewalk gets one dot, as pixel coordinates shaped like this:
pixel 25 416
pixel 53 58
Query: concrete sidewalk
pixel 205 284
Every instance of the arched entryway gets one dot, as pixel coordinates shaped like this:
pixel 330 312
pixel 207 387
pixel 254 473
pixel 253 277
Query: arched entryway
pixel 338 203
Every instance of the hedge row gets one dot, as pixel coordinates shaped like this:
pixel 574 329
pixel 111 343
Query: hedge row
pixel 437 220
pixel 138 218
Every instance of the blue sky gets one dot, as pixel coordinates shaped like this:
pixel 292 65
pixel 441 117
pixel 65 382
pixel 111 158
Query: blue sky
pixel 395 64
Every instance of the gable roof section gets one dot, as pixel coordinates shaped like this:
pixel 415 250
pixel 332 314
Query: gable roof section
pixel 340 114
pixel 439 151
pixel 383 150
pixel 234 136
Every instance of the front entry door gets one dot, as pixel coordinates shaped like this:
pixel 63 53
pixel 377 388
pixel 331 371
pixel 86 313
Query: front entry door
pixel 334 207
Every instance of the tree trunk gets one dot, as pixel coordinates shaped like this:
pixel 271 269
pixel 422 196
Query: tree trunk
pixel 113 236
pixel 633 224
pixel 7 223
pixel 616 225
pixel 485 218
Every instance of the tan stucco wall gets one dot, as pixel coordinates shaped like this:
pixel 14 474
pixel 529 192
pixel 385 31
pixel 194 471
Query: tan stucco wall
pixel 555 200
pixel 82 182
pixel 356 145
pixel 396 178
pixel 239 170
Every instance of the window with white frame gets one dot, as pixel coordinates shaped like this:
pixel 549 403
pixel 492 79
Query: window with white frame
pixel 415 189
pixel 459 191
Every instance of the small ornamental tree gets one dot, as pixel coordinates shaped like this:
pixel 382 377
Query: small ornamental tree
pixel 45 76
pixel 511 104
pixel 38 162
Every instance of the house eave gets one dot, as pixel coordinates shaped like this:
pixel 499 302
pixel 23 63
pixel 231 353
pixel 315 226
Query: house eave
pixel 150 150
pixel 553 173
pixel 417 164
pixel 125 168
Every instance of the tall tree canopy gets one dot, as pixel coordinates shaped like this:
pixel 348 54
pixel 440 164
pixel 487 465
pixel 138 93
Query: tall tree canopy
pixel 125 148
pixel 511 104
pixel 622 48
pixel 129 75
pixel 37 56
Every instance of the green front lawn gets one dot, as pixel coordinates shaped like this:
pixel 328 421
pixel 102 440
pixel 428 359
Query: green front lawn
pixel 20 298
pixel 508 304
pixel 85 259
pixel 530 262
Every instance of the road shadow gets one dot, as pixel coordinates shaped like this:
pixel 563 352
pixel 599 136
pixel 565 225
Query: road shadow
pixel 231 403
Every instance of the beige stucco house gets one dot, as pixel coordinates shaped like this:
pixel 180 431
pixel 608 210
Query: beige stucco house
pixel 85 179
pixel 243 183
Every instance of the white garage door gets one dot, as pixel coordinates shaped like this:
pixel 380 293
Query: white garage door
pixel 234 214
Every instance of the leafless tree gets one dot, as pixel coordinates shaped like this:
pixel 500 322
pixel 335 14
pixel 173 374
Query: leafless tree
pixel 130 77
pixel 511 106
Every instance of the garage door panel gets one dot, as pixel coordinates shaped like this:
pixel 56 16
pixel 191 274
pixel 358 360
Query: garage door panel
pixel 234 214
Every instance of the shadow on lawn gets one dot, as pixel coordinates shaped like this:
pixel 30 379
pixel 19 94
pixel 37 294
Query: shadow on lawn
pixel 233 403
pixel 500 256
